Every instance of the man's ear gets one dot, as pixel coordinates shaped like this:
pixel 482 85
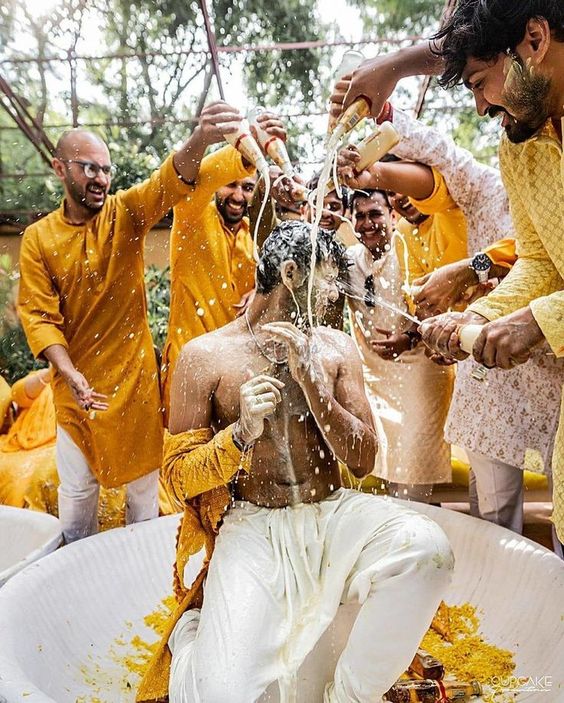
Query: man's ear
pixel 536 42
pixel 290 274
pixel 58 168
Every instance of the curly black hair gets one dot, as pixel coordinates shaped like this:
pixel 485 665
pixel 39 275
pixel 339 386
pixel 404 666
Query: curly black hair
pixel 483 29
pixel 345 193
pixel 291 240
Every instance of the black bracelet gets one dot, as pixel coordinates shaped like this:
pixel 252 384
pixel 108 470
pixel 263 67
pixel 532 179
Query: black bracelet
pixel 241 446
pixel 414 338
pixel 193 182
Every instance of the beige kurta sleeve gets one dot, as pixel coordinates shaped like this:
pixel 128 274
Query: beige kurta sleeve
pixel 534 274
pixel 549 314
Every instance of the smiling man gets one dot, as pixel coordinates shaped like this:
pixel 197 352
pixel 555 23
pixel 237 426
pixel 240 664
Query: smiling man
pixel 211 249
pixel 83 309
pixel 409 394
pixel 511 55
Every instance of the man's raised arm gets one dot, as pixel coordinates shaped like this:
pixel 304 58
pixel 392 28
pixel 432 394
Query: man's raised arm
pixel 149 201
pixel 377 78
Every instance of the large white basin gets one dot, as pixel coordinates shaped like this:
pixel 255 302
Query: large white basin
pixel 67 621
pixel 25 537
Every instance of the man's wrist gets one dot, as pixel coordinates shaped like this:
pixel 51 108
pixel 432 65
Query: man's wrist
pixel 481 264
pixel 238 440
pixel 386 114
pixel 414 338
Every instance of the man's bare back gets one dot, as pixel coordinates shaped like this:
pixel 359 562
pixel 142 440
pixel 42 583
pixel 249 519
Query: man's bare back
pixel 292 461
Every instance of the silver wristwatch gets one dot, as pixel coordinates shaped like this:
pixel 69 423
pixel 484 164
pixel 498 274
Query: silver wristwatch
pixel 481 265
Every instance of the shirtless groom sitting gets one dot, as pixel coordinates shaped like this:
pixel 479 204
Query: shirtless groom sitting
pixel 261 411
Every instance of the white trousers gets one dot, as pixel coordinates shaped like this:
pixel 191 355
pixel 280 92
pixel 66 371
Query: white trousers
pixel 275 582
pixel 496 491
pixel 79 490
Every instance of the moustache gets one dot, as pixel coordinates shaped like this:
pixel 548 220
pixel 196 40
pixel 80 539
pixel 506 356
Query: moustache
pixel 494 111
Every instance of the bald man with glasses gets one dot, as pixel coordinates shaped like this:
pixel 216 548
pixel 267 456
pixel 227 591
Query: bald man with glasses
pixel 83 309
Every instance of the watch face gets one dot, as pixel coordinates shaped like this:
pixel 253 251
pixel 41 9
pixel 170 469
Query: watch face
pixel 481 262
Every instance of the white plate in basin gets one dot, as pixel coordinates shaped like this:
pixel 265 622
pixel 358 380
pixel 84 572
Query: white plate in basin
pixel 25 537
pixel 61 618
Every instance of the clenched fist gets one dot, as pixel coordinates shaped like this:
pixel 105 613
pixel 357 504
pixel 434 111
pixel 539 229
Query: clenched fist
pixel 258 399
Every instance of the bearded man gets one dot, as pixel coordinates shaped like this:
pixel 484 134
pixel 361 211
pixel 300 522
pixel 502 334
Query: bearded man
pixel 511 56
pixel 82 306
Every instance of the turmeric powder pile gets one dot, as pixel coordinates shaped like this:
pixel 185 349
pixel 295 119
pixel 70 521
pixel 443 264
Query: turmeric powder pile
pixel 455 640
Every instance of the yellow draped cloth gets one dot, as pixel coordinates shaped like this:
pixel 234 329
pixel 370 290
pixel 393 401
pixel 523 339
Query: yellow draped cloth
pixel 533 173
pixel 82 286
pixel 28 470
pixel 197 468
pixel 211 268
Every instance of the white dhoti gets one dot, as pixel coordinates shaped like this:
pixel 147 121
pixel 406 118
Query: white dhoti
pixel 275 582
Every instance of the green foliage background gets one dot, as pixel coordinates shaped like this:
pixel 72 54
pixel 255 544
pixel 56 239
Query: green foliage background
pixel 159 84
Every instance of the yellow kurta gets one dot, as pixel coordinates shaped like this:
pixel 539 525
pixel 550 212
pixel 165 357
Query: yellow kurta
pixel 533 173
pixel 503 252
pixel 29 446
pixel 82 286
pixel 211 268
pixel 35 424
pixel 439 240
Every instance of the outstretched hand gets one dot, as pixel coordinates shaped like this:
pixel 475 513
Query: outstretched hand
pixel 391 348
pixel 374 79
pixel 508 341
pixel 84 395
pixel 347 161
pixel 441 333
pixel 271 123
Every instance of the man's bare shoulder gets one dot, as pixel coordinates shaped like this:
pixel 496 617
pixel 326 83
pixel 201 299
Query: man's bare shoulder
pixel 217 342
pixel 336 339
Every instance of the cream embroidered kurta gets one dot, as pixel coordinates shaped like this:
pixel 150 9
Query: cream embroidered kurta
pixel 410 396
pixel 533 173
pixel 82 286
pixel 511 415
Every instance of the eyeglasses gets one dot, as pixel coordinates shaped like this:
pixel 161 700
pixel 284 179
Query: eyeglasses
pixel 91 170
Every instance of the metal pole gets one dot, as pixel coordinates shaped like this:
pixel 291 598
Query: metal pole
pixel 213 47
pixel 73 94
pixel 17 110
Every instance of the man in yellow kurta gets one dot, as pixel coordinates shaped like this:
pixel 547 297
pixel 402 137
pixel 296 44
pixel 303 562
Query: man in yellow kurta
pixel 82 306
pixel 211 253
pixel 515 68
